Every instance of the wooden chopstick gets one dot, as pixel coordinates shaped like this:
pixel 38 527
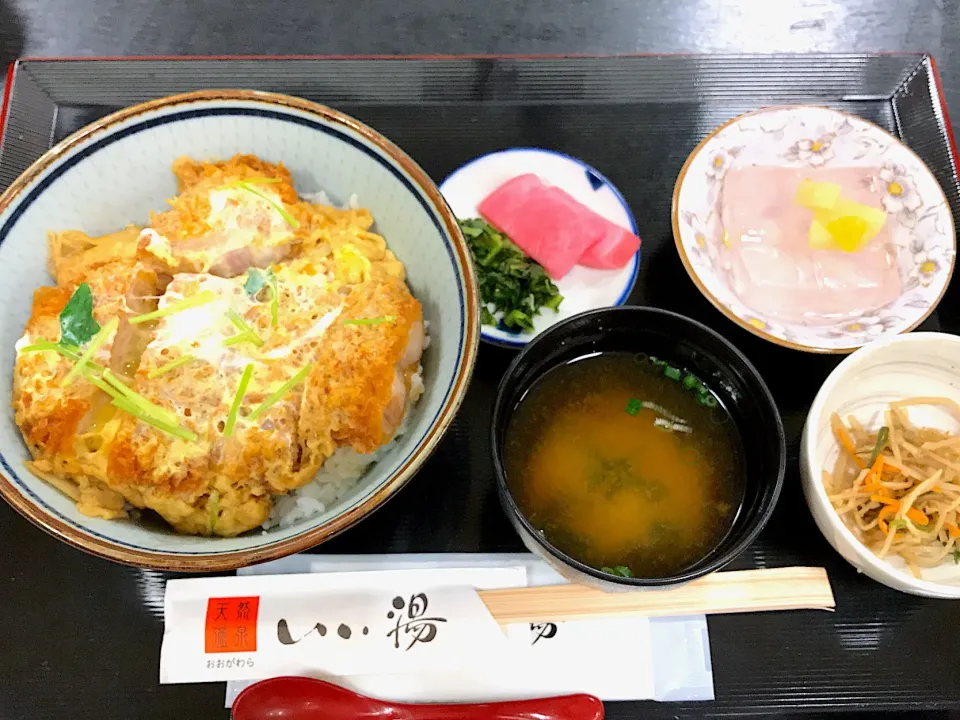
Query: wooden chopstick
pixel 792 588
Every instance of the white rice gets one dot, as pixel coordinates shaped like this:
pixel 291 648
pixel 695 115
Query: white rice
pixel 321 198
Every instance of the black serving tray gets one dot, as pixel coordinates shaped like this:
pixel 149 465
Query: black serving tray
pixel 67 619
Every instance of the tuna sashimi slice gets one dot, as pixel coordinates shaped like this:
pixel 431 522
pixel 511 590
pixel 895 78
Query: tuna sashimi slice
pixel 613 250
pixel 555 229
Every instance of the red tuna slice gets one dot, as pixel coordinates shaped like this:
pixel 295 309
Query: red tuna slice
pixel 544 222
pixel 555 229
pixel 613 250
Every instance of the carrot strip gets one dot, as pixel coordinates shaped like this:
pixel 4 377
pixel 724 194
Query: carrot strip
pixel 884 512
pixel 843 437
pixel 888 501
pixel 952 529
pixel 918 517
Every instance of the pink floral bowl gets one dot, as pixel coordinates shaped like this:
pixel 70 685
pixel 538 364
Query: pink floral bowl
pixel 920 233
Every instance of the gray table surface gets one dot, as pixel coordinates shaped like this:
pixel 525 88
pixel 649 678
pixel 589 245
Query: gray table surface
pixel 204 27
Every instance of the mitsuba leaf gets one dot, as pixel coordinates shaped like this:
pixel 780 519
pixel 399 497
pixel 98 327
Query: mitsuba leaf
pixel 77 325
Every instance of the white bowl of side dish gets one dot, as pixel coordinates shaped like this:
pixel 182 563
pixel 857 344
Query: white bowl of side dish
pixel 747 239
pixel 583 288
pixel 863 385
pixel 117 172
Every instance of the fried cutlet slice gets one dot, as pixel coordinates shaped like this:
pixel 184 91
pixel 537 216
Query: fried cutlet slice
pixel 361 382
pixel 61 422
pixel 229 216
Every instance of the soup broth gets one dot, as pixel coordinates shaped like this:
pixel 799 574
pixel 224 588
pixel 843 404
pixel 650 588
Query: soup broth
pixel 625 463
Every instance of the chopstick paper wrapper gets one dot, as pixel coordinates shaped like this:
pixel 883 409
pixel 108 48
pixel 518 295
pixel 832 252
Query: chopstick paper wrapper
pixel 413 620
pixel 381 622
pixel 792 588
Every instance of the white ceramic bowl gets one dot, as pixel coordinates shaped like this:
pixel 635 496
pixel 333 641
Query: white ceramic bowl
pixel 918 216
pixel 582 288
pixel 919 364
pixel 117 170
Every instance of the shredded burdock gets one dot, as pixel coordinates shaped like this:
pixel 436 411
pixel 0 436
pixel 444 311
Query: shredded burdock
pixel 897 487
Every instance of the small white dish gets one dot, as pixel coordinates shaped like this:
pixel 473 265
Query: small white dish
pixel 863 385
pixel 798 136
pixel 582 288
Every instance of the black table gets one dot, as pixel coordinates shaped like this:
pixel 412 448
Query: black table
pixel 80 636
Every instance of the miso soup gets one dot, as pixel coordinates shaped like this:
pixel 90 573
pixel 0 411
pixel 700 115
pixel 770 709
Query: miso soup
pixel 627 463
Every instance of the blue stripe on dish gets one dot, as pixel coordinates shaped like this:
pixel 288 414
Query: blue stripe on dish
pixel 595 182
pixel 90 149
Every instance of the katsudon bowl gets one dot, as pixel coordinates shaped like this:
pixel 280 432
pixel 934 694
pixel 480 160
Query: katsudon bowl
pixel 115 172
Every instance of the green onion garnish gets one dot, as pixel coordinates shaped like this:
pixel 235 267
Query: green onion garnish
pixel 186 304
pixel 264 180
pixel 47 345
pixel 121 402
pixel 280 392
pixel 619 570
pixel 274 302
pixel 372 321
pixel 238 399
pixel 144 405
pixel 882 438
pixel 164 369
pixel 287 217
pixel 899 524
pixel 245 333
pixel 671 372
pixel 98 340
pixel 634 406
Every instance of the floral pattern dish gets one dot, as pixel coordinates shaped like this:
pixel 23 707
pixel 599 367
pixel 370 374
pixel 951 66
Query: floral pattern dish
pixel 921 224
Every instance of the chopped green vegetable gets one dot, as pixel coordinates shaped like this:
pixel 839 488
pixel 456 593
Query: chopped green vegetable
pixel 672 372
pixel 98 340
pixel 238 400
pixel 258 180
pixel 280 392
pixel 257 280
pixel 512 285
pixel 898 524
pixel 213 506
pixel 245 333
pixel 147 407
pixel 124 403
pixel 77 325
pixel 67 352
pixel 690 381
pixel 274 301
pixel 956 556
pixel 186 304
pixel 173 365
pixel 882 436
pixel 634 406
pixel 278 206
pixel 618 570
pixel 372 321
pixel 708 400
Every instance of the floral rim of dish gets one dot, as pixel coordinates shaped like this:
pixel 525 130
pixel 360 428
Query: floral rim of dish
pixel 922 226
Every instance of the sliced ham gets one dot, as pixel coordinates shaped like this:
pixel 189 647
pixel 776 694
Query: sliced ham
pixel 555 229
